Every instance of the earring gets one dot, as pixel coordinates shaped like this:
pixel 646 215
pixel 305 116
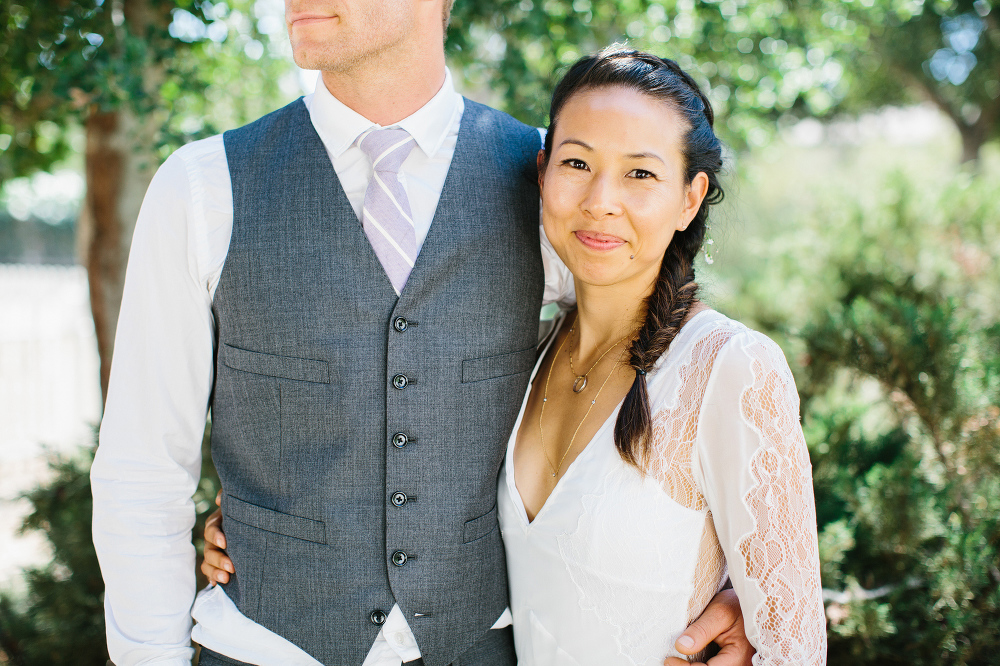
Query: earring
pixel 631 256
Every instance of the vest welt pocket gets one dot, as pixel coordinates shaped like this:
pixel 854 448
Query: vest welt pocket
pixel 272 365
pixel 482 526
pixel 478 369
pixel 270 520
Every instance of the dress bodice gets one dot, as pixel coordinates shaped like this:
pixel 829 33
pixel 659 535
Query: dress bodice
pixel 618 561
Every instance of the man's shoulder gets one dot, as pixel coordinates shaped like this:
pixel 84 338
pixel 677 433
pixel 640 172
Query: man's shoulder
pixel 501 121
pixel 201 153
pixel 206 153
pixel 289 113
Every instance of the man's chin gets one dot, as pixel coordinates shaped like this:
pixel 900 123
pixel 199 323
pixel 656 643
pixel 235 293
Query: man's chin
pixel 313 58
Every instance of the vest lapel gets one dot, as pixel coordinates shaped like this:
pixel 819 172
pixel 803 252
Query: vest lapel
pixel 336 212
pixel 453 209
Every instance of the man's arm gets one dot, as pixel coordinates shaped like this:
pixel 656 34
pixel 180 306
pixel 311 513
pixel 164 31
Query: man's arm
pixel 149 460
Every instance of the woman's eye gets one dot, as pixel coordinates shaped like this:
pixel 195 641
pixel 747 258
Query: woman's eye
pixel 574 163
pixel 642 174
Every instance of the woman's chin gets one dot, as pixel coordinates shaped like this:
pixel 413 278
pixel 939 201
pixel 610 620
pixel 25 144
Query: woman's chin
pixel 600 276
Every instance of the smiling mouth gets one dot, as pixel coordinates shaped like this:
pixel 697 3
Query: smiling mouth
pixel 599 241
pixel 309 19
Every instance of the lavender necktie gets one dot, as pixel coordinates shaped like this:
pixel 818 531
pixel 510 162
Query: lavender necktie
pixel 386 216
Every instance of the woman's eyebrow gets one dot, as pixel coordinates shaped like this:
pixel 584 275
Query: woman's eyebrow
pixel 645 156
pixel 577 142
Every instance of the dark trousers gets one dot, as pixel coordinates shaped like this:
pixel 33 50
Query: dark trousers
pixel 497 646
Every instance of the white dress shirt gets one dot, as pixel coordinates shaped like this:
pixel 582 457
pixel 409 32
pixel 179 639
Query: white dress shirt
pixel 149 461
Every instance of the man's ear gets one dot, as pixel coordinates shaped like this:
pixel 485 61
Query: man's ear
pixel 540 162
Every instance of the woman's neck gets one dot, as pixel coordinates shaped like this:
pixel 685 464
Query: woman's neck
pixel 606 314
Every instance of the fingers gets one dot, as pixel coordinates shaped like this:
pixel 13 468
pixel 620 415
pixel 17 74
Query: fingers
pixel 734 654
pixel 216 566
pixel 213 573
pixel 218 498
pixel 721 614
pixel 213 530
pixel 675 661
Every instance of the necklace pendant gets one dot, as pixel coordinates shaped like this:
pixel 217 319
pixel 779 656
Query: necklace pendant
pixel 580 383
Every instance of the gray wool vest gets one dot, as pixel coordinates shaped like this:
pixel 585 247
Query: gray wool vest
pixel 359 435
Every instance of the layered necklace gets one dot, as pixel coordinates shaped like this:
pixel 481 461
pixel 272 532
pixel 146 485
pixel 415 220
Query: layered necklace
pixel 579 384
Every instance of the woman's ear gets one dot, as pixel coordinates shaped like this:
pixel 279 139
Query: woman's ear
pixel 540 162
pixel 693 197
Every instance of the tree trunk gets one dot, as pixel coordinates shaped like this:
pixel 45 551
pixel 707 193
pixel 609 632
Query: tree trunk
pixel 119 163
pixel 972 141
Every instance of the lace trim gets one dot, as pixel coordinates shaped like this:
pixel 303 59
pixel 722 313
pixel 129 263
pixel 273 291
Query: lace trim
pixel 790 619
pixel 675 429
pixel 710 573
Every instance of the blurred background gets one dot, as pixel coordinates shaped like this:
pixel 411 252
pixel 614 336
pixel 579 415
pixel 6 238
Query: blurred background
pixel 861 231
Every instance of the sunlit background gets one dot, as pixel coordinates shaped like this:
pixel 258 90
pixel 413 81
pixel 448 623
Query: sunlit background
pixel 861 230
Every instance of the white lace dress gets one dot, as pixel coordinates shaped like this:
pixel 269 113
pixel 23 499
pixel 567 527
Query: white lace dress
pixel 616 564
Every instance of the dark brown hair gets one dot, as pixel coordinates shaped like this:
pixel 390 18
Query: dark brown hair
pixel 676 289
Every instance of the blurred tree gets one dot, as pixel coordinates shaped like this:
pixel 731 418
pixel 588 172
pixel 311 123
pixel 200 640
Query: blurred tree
pixel 946 52
pixel 136 75
pixel 889 314
pixel 763 60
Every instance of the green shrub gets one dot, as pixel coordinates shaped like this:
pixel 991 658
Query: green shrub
pixel 888 312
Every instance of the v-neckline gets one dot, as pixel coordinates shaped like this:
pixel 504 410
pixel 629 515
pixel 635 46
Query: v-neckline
pixel 587 451
pixel 584 453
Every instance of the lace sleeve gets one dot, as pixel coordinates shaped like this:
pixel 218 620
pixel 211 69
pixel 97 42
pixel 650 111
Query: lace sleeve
pixel 752 462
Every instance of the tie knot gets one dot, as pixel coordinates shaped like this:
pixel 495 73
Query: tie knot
pixel 387 148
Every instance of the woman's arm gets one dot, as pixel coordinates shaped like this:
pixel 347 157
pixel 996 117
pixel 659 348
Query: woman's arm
pixel 752 463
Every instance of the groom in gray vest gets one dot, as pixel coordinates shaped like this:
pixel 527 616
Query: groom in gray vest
pixel 362 378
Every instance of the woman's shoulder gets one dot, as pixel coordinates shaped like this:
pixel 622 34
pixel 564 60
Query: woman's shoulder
pixel 716 342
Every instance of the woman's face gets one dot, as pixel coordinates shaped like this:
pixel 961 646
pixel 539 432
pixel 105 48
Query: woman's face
pixel 613 191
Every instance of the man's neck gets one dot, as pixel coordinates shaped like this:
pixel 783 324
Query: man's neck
pixel 387 95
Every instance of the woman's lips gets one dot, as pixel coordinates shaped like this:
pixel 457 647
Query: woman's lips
pixel 599 241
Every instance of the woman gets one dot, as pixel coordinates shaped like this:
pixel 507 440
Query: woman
pixel 659 444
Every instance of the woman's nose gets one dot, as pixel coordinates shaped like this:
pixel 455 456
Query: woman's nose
pixel 603 198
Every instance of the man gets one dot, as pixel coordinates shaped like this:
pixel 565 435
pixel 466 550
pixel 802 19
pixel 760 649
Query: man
pixel 363 379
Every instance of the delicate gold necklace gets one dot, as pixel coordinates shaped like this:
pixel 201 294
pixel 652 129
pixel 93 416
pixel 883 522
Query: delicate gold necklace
pixel 580 382
pixel 545 397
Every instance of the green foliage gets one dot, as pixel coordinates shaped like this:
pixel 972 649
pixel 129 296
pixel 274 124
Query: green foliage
pixel 60 619
pixel 62 61
pixel 763 60
pixel 752 54
pixel 893 328
pixel 897 52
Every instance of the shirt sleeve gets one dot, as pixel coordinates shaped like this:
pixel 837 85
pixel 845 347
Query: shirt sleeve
pixel 753 464
pixel 148 463
pixel 559 287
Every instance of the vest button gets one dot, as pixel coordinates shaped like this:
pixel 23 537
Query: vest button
pixel 399 440
pixel 400 324
pixel 377 617
pixel 400 381
pixel 399 558
pixel 399 499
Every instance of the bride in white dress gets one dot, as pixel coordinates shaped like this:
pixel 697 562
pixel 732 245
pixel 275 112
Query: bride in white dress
pixel 658 450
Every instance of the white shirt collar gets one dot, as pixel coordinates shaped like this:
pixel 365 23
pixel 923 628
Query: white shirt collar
pixel 340 126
